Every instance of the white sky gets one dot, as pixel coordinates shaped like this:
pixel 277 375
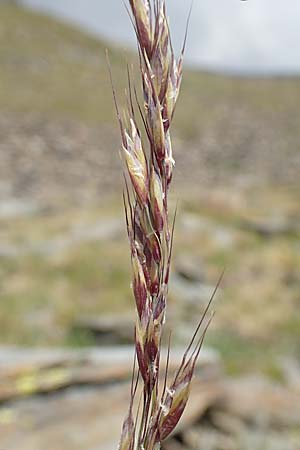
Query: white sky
pixel 250 36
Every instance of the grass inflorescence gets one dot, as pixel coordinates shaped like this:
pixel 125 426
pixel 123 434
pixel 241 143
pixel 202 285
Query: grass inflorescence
pixel 148 169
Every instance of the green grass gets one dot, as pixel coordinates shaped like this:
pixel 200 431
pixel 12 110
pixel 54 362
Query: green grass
pixel 257 313
pixel 43 296
pixel 244 355
pixel 53 69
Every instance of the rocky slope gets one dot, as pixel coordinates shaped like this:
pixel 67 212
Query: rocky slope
pixel 58 131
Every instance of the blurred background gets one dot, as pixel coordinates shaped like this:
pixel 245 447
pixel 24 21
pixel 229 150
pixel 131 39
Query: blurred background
pixel 66 309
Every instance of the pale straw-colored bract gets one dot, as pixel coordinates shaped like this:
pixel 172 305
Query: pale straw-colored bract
pixel 148 163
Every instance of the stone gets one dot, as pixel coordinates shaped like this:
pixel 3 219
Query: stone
pixel 250 414
pixel 30 372
pixel 81 419
pixel 190 294
pixel 13 209
pixel 194 223
pixel 108 330
pixel 226 422
pixel 291 372
pixel 255 399
pixel 272 226
pixel 88 412
pixel 190 268
pixel 208 439
pixel 102 230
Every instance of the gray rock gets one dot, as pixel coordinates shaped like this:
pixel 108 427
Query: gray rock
pixel 13 208
pixel 255 399
pixel 190 268
pixel 272 226
pixel 223 237
pixel 108 330
pixel 208 439
pixel 190 294
pixel 104 229
pixel 88 415
pixel 193 223
pixel 26 372
pixel 291 372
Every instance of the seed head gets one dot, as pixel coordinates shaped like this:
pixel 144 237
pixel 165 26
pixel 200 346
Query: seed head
pixel 157 201
pixel 148 160
pixel 139 284
pixel 127 440
pixel 142 16
pixel 136 163
pixel 157 127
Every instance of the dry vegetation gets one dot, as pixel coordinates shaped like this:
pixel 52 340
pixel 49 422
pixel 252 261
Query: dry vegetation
pixel 240 137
